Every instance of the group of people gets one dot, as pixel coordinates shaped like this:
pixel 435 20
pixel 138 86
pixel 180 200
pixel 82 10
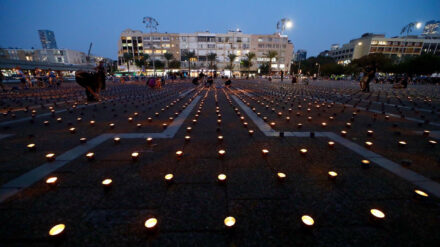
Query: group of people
pixel 39 78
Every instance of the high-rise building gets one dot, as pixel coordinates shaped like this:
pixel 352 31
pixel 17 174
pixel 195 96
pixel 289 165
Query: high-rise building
pixel 47 39
pixel 300 55
pixel 432 27
pixel 202 44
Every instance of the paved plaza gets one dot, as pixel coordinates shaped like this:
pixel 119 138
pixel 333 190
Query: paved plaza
pixel 293 164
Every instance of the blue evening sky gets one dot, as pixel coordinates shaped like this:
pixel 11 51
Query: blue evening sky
pixel 317 23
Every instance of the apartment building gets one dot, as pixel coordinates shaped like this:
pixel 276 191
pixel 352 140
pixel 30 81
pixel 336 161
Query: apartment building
pixel 395 47
pixel 204 43
pixel 64 56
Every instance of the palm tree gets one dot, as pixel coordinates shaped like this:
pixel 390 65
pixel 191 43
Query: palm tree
pixel 168 56
pixel 250 56
pixel 188 55
pixel 142 61
pixel 271 55
pixel 246 64
pixel 128 57
pixel 231 57
pixel 211 58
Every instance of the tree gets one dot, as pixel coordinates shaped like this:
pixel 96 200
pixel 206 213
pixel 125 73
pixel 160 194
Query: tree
pixel 142 61
pixel 246 64
pixel 264 68
pixel 188 55
pixel 231 57
pixel 250 56
pixel 174 64
pixel 271 55
pixel 211 58
pixel 168 56
pixel 128 57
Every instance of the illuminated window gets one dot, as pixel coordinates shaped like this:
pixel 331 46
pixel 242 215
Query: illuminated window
pixel 165 45
pixel 157 52
pixel 148 51
pixel 374 42
pixel 128 38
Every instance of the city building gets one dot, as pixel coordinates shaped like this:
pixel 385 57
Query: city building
pixel 202 44
pixel 64 56
pixel 300 55
pixel 431 27
pixel 395 47
pixel 47 39
pixel 325 53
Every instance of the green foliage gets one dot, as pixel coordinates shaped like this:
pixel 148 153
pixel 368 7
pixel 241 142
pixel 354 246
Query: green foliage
pixel 265 69
pixel 174 64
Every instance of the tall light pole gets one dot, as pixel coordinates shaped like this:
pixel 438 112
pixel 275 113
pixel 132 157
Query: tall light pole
pixel 151 24
pixel 319 68
pixel 282 25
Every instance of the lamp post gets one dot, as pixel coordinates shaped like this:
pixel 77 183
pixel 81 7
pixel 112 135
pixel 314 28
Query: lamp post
pixel 319 68
pixel 151 24
pixel 282 25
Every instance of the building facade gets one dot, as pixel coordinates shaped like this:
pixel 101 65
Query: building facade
pixel 300 55
pixel 47 39
pixel 203 44
pixel 431 27
pixel 395 47
pixel 64 56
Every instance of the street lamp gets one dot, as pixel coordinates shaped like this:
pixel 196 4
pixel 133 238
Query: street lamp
pixel 408 29
pixel 151 24
pixel 319 68
pixel 282 25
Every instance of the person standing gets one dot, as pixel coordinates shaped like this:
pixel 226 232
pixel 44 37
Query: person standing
pixel 21 77
pixel 2 77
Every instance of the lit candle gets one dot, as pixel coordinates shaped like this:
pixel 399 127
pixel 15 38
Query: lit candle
pixel 117 140
pixel 194 121
pixel 72 130
pixel 323 124
pixel 219 121
pixel 421 194
pixel 150 119
pixel 432 142
pixel 188 129
pixel 31 146
pixel 426 132
pixel 343 133
pixel 402 143
pixel 57 230
pixel 90 156
pixel 59 120
pixel 130 119
pixel 112 125
pixel 46 122
pixel 229 221
pixel 134 156
pixel 220 138
pixel 139 125
pixel 368 144
pixel 370 133
pixel 281 176
pixel 265 152
pixel 303 151
pixel 169 177
pixel 365 163
pixel 331 144
pixel 187 138
pixel 307 221
pixel 377 214
pixel 348 125
pixel 221 153
pixel 179 153
pixel 78 119
pixel 83 140
pixel 51 181
pixel 251 132
pixel 151 223
pixel 332 175
pixel 221 178
pixel 50 157
pixel 149 140
pixel 92 123
pixel 107 183
pixel 272 124
pixel 299 125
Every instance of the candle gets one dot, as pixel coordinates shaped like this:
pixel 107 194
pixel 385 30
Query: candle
pixel 272 124
pixel 332 175
pixel 59 120
pixel 31 146
pixel 331 144
pixel 134 156
pixel 265 152
pixel 303 151
pixel 130 119
pixel 307 221
pixel 50 156
pixel 281 176
pixel 221 178
pixel 90 156
pixel 421 194
pixel 432 142
pixel 83 140
pixel 78 119
pixel 169 177
pixel 299 125
pixel 402 143
pixel 426 132
pixel 117 140
pixel 220 138
pixel 51 181
pixel 150 223
pixel 221 153
pixel 251 132
pixel 149 140
pixel 343 133
pixel 107 183
pixel 112 125
pixel 365 163
pixel 46 122
pixel 57 230
pixel 188 129
pixel 150 119
pixel 368 144
pixel 377 214
pixel 187 138
pixel 323 124
pixel 370 132
pixel 229 221
pixel 92 123
pixel 139 125
pixel 179 153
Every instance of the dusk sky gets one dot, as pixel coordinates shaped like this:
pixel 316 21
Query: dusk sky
pixel 317 23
